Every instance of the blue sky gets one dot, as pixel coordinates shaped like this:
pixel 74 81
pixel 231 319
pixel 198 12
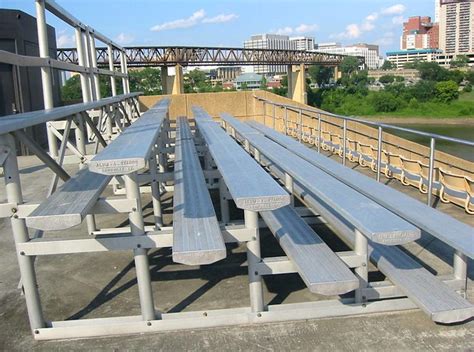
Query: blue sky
pixel 230 22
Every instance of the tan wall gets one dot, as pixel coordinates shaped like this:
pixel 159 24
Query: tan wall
pixel 243 105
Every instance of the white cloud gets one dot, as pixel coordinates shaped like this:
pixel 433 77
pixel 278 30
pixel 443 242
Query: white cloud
pixel 398 20
pixel 222 18
pixel 124 38
pixel 301 29
pixel 191 21
pixel 393 10
pixel 372 17
pixel 65 39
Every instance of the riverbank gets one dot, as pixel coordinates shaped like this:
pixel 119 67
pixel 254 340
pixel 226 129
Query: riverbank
pixel 422 120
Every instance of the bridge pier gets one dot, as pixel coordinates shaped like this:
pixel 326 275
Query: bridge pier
pixel 172 84
pixel 337 74
pixel 297 83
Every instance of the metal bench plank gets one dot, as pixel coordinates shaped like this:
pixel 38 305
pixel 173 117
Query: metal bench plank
pixel 458 235
pixel 197 237
pixel 319 267
pixel 248 183
pixel 129 152
pixel 15 122
pixel 69 205
pixel 444 306
pixel 370 218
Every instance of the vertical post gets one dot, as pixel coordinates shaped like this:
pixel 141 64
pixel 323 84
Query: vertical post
pixel 289 187
pixel 113 85
pixel 430 176
pixel 286 121
pixel 274 117
pixel 155 191
pixel 46 74
pixel 253 258
pixel 93 63
pixel 300 123
pixel 362 272
pixel 140 254
pixel 319 132
pixel 460 268
pixel 225 217
pixel 20 235
pixel 344 138
pixel 379 152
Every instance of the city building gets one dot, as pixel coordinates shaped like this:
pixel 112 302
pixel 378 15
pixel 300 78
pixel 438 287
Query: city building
pixel 407 74
pixel 270 41
pixel 437 10
pixel 303 43
pixel 370 52
pixel 457 27
pixel 248 81
pixel 400 58
pixel 228 73
pixel 419 33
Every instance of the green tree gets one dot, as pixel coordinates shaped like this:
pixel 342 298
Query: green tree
pixel 263 84
pixel 447 91
pixel 424 90
pixel 321 74
pixel 469 76
pixel 349 65
pixel 72 89
pixel 147 80
pixel 460 61
pixel 387 65
pixel 385 102
pixel 387 79
pixel 432 71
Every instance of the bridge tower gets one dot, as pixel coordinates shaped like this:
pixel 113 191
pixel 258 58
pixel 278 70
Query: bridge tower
pixel 172 84
pixel 297 83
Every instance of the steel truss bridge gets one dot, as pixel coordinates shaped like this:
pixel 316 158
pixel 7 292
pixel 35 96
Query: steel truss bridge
pixel 202 56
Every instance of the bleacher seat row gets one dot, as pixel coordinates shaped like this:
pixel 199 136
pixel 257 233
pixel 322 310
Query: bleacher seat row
pixel 261 172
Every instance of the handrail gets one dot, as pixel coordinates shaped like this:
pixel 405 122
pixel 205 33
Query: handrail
pixel 380 127
pixel 15 122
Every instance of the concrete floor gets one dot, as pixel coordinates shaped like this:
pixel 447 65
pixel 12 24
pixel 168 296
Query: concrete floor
pixel 103 284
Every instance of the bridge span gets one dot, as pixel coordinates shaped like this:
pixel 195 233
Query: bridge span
pixel 202 56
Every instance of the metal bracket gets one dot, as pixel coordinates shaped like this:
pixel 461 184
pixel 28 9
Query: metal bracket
pixel 4 153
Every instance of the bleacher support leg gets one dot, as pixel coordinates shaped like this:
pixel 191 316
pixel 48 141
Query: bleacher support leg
pixel 140 254
pixel 20 235
pixel 460 269
pixel 289 188
pixel 253 258
pixel 155 192
pixel 362 272
pixel 225 217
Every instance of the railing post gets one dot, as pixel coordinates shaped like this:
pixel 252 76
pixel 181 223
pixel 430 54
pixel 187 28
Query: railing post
pixel 344 138
pixel 430 176
pixel 113 84
pixel 300 123
pixel 319 132
pixel 274 117
pixel 92 58
pixel 46 74
pixel 379 151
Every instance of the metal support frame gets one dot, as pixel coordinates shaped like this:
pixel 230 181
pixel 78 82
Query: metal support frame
pixel 431 170
pixel 379 151
pixel 253 258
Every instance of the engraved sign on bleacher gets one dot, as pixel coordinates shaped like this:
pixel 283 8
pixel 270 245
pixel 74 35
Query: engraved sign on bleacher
pixel 116 167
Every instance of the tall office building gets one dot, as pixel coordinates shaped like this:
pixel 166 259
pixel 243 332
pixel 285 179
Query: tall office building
pixel 419 33
pixel 303 43
pixel 270 41
pixel 437 9
pixel 457 27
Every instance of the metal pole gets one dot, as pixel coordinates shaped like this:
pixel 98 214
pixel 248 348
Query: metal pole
pixel 155 192
pixel 113 85
pixel 274 117
pixel 46 74
pixel 430 176
pixel 140 254
pixel 225 217
pixel 300 134
pixel 460 268
pixel 319 132
pixel 81 57
pixel 289 187
pixel 253 258
pixel 93 64
pixel 362 272
pixel 379 152
pixel 344 138
pixel 20 235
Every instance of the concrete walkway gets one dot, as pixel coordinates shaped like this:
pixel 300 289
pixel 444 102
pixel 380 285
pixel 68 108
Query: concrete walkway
pixel 93 285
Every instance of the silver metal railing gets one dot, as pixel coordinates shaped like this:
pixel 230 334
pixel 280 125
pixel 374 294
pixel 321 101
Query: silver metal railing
pixel 381 127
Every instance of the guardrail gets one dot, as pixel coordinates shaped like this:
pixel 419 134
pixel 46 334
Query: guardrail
pixel 378 125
